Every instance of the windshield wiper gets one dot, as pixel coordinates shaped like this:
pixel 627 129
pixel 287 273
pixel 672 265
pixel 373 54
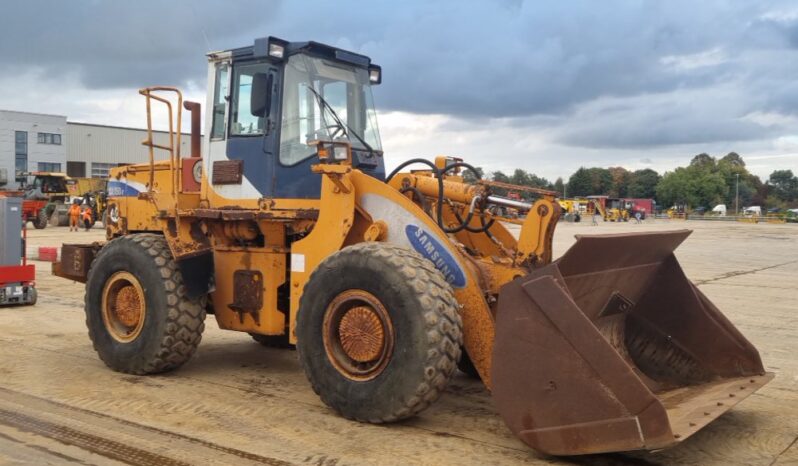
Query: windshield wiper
pixel 347 129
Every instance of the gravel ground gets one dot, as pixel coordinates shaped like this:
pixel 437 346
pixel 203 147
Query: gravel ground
pixel 239 403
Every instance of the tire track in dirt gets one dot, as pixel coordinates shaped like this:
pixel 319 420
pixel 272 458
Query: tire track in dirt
pixel 737 273
pixel 111 437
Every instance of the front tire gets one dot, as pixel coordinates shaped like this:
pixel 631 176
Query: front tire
pixel 40 221
pixel 139 316
pixel 378 332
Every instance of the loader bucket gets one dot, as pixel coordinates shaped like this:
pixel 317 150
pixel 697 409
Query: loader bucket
pixel 612 348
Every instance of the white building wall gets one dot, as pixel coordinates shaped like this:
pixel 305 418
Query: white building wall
pixel 95 144
pixel 32 123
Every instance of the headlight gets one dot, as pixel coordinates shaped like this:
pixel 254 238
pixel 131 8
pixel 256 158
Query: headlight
pixel 276 50
pixel 340 152
pixel 375 74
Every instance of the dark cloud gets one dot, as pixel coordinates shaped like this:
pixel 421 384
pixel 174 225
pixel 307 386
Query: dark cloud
pixel 112 44
pixel 587 69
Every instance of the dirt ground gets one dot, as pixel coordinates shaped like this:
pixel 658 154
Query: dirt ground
pixel 239 403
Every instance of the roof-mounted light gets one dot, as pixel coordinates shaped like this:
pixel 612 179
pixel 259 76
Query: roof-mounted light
pixel 276 50
pixel 375 74
pixel 270 46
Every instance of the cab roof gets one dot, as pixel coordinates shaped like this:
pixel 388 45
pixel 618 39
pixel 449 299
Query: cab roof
pixel 258 50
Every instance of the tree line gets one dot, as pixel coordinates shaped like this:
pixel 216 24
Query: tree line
pixel 705 182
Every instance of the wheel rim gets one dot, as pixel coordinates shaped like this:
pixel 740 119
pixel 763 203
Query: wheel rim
pixel 358 335
pixel 123 307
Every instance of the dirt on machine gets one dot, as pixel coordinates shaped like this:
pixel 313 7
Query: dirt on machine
pixel 283 223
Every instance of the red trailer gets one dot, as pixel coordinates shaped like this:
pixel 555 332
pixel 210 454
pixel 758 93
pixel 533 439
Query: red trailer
pixel 644 206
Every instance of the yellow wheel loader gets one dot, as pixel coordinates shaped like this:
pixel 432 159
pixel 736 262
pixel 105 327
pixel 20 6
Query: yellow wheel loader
pixel 289 228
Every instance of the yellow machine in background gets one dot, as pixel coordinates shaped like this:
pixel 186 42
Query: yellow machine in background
pixel 289 229
pixel 617 215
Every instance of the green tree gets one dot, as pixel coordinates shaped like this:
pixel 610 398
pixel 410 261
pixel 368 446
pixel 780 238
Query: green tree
pixel 695 186
pixel 468 177
pixel 732 158
pixel 559 187
pixel 732 168
pixel 499 176
pixel 784 185
pixel 676 188
pixel 704 161
pixel 601 181
pixel 590 181
pixel 643 184
pixel 620 181
pixel 579 184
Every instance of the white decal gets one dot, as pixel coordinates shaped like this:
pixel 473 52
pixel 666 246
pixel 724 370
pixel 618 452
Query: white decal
pixel 297 262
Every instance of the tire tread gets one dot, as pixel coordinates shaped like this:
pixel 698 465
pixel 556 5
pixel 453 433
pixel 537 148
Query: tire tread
pixel 185 317
pixel 439 314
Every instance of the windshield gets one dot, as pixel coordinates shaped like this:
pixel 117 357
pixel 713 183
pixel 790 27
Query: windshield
pixel 344 87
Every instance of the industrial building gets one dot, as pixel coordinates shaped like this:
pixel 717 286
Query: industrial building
pixel 30 142
pixel 39 142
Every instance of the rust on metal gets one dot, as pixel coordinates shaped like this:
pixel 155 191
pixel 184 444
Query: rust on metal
pixel 196 127
pixel 76 260
pixel 174 139
pixel 615 332
pixel 227 171
pixel 358 335
pixel 247 294
pixel 362 335
pixel 123 307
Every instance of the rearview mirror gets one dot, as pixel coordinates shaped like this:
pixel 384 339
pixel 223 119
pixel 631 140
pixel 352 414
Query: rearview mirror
pixel 260 99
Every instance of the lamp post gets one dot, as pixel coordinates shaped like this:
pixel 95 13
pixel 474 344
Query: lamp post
pixel 737 195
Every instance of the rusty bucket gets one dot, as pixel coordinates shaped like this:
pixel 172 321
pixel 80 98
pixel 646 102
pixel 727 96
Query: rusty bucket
pixel 612 348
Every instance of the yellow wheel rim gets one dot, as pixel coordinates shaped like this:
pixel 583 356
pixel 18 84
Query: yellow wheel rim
pixel 123 307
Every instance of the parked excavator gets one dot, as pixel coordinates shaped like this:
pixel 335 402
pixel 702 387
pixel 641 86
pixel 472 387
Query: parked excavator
pixel 283 223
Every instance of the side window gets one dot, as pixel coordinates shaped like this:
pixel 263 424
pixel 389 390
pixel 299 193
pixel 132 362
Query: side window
pixel 243 122
pixel 220 100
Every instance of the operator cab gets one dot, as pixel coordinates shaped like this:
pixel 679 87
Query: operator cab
pixel 269 101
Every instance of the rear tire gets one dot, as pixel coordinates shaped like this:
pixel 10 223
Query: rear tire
pixel 40 221
pixel 134 331
pixel 378 332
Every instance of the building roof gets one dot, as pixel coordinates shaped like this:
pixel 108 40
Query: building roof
pixel 130 128
pixel 32 113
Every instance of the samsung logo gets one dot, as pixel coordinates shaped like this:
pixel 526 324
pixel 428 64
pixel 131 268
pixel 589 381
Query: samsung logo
pixel 429 247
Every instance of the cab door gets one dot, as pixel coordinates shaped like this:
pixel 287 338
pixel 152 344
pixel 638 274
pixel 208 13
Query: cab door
pixel 242 144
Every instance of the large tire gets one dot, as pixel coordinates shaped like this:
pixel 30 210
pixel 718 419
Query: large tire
pixel 169 325
pixel 40 221
pixel 52 216
pixel 420 326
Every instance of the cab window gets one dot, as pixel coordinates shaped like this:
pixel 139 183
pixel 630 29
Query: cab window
pixel 243 122
pixel 220 96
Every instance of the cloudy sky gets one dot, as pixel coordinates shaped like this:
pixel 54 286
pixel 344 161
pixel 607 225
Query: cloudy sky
pixel 544 86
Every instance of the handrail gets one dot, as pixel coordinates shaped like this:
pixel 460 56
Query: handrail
pixel 174 141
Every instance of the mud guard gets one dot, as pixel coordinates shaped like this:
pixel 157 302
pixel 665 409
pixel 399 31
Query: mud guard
pixel 612 348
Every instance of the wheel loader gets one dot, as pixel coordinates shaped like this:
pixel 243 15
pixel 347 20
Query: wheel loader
pixel 283 223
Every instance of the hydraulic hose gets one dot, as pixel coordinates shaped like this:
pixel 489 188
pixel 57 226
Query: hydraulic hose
pixel 464 224
pixel 437 173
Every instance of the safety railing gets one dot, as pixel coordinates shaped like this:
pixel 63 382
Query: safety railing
pixel 174 136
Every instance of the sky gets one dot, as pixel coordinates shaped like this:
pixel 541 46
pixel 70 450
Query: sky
pixel 504 84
